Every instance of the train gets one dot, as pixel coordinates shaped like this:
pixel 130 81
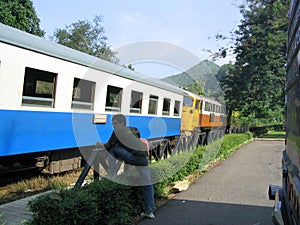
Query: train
pixel 57 102
pixel 203 114
pixel 286 209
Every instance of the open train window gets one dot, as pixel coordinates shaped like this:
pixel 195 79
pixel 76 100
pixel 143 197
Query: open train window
pixel 153 101
pixel 83 94
pixel 136 102
pixel 176 108
pixel 166 107
pixel 38 88
pixel 113 98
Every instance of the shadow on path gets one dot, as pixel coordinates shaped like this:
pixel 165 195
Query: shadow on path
pixel 209 213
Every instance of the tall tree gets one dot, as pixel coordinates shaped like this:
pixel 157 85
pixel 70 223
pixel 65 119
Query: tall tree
pixel 21 15
pixel 88 37
pixel 255 84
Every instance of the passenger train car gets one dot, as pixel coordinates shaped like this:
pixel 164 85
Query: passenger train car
pixel 55 100
pixel 287 197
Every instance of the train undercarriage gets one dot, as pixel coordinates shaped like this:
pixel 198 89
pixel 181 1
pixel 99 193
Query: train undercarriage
pixel 49 162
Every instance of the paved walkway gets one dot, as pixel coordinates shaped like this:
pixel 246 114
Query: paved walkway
pixel 232 193
pixel 14 213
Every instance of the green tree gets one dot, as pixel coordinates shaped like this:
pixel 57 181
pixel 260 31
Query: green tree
pixel 86 36
pixel 254 86
pixel 197 87
pixel 21 15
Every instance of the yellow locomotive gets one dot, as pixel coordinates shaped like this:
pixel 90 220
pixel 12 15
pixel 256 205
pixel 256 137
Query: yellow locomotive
pixel 202 114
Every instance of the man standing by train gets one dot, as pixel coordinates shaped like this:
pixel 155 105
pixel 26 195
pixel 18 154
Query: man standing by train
pixel 125 146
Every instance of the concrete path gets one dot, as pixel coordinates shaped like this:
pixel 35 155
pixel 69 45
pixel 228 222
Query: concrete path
pixel 233 193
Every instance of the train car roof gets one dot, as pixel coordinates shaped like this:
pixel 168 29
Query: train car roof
pixel 203 98
pixel 31 42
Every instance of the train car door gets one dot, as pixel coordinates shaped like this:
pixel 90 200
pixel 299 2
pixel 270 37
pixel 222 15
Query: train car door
pixel 196 114
pixel 190 114
pixel 187 114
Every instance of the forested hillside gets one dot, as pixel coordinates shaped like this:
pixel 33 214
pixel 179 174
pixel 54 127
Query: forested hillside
pixel 201 79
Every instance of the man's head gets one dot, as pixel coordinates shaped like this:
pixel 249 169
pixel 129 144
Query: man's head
pixel 118 120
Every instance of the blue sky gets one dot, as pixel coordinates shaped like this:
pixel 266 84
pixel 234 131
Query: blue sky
pixel 189 25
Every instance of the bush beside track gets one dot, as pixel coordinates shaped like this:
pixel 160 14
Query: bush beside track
pixel 108 203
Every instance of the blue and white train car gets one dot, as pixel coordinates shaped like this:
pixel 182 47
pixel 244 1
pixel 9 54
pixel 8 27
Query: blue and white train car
pixel 55 100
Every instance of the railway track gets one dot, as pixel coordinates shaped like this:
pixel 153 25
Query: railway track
pixel 17 175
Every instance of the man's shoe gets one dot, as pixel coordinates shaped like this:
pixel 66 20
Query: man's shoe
pixel 148 215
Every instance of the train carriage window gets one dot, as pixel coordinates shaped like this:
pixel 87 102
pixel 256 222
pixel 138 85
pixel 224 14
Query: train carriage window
pixel 113 98
pixel 176 108
pixel 136 102
pixel 207 106
pixel 219 109
pixel 187 101
pixel 153 101
pixel 216 108
pixel 83 94
pixel 166 107
pixel 197 104
pixel 38 88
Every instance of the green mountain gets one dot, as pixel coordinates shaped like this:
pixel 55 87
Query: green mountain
pixel 200 78
pixel 197 73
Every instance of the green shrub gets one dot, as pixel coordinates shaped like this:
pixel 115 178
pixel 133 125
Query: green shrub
pixel 231 142
pixel 70 206
pixel 117 203
pixel 103 202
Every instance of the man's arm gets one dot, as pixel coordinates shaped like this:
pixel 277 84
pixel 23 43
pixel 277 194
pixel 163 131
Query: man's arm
pixel 111 142
pixel 102 145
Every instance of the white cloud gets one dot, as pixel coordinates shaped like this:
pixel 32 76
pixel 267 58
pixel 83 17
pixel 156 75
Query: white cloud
pixel 130 19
